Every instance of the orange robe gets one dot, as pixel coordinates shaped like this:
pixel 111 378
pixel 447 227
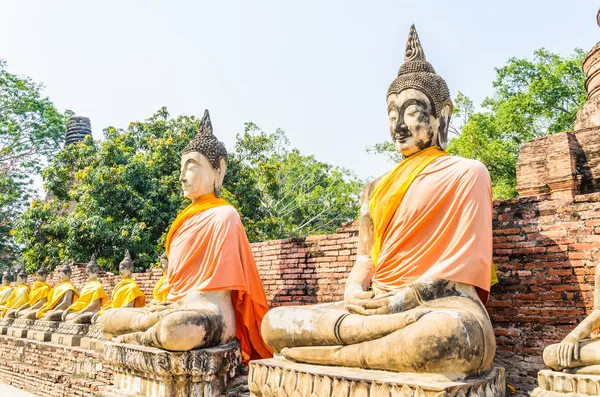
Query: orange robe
pixel 208 251
pixel 441 229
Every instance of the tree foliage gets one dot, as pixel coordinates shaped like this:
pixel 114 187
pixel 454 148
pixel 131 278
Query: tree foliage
pixel 532 98
pixel 31 129
pixel 123 192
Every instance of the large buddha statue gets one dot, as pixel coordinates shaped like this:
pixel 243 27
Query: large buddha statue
pixel 19 295
pixel 60 297
pixel 577 352
pixel 91 298
pixel 216 294
pixel 5 288
pixel 162 287
pixel 126 293
pixel 37 297
pixel 414 299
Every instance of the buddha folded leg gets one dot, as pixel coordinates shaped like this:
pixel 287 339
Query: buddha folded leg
pixel 448 336
pixel 178 330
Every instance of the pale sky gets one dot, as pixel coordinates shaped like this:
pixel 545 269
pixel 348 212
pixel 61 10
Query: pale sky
pixel 317 69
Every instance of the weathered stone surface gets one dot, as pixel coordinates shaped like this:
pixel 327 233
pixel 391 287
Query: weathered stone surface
pixel 144 371
pixel 559 384
pixel 92 344
pixel 275 377
pixel 95 332
pixel 73 329
pixel 45 326
pixel 40 336
pixel 65 339
pixel 16 332
pixel 23 323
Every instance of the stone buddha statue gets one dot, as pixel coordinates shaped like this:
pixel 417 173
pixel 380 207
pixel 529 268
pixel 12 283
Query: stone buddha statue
pixel 126 293
pixel 37 297
pixel 413 299
pixel 19 295
pixel 91 297
pixel 577 353
pixel 5 288
pixel 162 287
pixel 60 297
pixel 216 294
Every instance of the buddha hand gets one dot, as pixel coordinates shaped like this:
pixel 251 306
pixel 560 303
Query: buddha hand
pixel 568 350
pixel 380 304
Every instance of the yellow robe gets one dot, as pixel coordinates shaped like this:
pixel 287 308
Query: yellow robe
pixel 39 291
pixel 18 297
pixel 55 296
pixel 5 292
pixel 161 290
pixel 125 291
pixel 90 292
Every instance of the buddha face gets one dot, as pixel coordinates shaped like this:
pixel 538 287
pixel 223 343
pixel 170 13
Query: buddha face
pixel 413 125
pixel 164 263
pixel 41 276
pixel 91 273
pixel 22 278
pixel 63 275
pixel 5 279
pixel 198 177
pixel 125 270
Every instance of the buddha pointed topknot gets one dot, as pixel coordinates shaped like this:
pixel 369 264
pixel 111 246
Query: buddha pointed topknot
pixel 92 266
pixel 127 261
pixel 206 143
pixel 419 74
pixel 413 46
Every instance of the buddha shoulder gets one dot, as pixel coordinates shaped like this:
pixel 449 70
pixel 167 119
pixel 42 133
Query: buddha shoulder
pixel 225 215
pixel 469 168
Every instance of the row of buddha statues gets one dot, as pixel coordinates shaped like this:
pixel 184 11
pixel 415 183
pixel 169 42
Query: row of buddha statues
pixel 415 297
pixel 63 302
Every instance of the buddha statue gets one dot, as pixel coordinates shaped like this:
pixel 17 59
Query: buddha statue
pixel 577 353
pixel 126 293
pixel 414 299
pixel 5 288
pixel 162 287
pixel 37 297
pixel 91 298
pixel 19 295
pixel 60 297
pixel 216 294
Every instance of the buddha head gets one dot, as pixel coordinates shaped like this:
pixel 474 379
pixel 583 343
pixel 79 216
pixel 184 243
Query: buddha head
pixel 164 262
pixel 42 274
pixel 6 278
pixel 203 163
pixel 22 276
pixel 419 104
pixel 92 269
pixel 126 265
pixel 64 272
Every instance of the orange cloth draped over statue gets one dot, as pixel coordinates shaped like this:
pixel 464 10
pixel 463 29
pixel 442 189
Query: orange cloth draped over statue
pixel 208 250
pixel 442 228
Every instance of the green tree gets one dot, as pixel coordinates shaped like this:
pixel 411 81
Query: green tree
pixel 31 130
pixel 532 98
pixel 123 193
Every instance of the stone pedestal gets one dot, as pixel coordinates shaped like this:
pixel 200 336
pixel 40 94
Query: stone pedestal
pixel 68 328
pixel 39 336
pixel 92 344
pixel 42 330
pixel 279 377
pixel 4 324
pixel 95 331
pixel 17 332
pixel 23 323
pixel 558 384
pixel 66 340
pixel 149 372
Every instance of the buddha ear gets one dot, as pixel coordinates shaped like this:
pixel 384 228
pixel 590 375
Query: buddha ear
pixel 445 116
pixel 220 176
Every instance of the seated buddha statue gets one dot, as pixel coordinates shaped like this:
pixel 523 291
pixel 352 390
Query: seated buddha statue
pixel 162 287
pixel 19 295
pixel 126 293
pixel 60 297
pixel 578 353
pixel 216 294
pixel 5 288
pixel 37 297
pixel 91 298
pixel 414 299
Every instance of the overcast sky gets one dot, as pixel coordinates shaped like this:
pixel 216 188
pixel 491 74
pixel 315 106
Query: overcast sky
pixel 317 69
